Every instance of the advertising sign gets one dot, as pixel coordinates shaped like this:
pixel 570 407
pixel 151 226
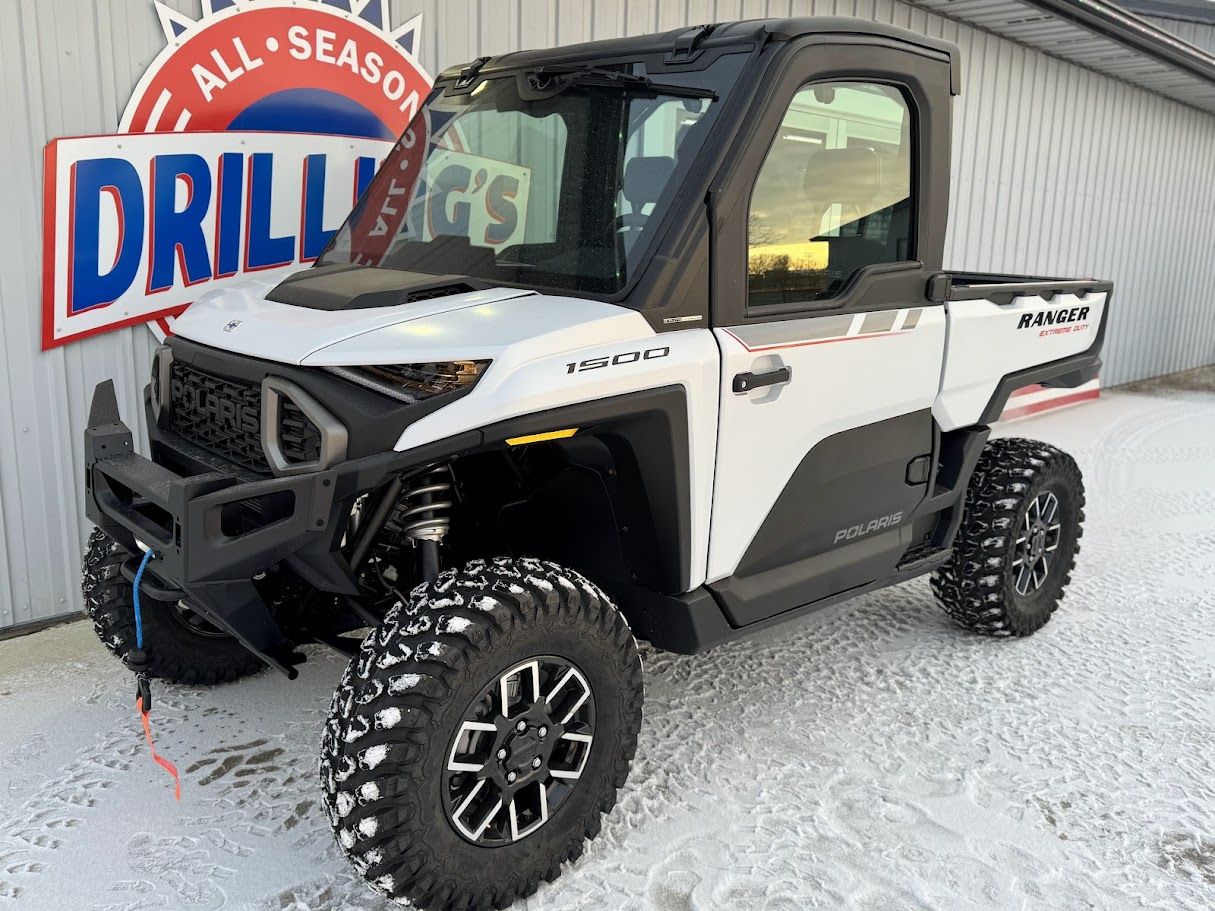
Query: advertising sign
pixel 477 197
pixel 241 149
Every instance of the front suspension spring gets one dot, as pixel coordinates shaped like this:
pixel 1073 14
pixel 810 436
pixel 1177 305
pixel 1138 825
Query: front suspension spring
pixel 421 512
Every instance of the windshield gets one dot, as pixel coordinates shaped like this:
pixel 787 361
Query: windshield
pixel 559 185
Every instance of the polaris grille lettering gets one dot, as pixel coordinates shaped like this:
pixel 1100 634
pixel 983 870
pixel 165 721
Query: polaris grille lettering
pixel 223 411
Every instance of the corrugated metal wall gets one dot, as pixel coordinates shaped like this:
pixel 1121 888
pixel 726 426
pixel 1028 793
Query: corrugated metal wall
pixel 1057 170
pixel 1199 34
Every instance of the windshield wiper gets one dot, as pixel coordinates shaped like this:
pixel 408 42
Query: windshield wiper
pixel 559 78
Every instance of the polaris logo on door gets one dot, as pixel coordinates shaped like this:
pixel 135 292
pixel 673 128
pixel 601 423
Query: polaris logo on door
pixel 868 528
pixel 210 176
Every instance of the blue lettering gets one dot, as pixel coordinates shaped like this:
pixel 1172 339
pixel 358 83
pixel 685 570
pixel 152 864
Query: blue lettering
pixel 228 213
pixel 263 250
pixel 88 285
pixel 176 237
pixel 364 170
pixel 314 237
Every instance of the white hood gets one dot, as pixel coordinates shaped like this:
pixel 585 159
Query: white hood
pixel 469 326
pixel 240 319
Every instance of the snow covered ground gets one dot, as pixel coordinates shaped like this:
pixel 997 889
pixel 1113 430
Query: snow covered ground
pixel 870 756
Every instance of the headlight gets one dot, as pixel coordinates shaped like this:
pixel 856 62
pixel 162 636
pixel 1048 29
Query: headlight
pixel 411 383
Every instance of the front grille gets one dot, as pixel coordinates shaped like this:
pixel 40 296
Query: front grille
pixel 299 439
pixel 220 414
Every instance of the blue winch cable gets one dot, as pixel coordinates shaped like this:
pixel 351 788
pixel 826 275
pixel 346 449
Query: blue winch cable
pixel 138 660
pixel 148 557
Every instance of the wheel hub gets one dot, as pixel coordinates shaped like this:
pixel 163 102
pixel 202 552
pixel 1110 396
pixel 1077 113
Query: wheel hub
pixel 519 751
pixel 527 752
pixel 1036 543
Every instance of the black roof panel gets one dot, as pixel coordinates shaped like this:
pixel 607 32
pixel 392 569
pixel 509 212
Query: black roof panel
pixel 746 33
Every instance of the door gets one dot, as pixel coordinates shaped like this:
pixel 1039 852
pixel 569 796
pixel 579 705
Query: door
pixel 831 364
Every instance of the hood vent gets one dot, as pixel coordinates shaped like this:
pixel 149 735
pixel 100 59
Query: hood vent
pixel 441 291
pixel 347 287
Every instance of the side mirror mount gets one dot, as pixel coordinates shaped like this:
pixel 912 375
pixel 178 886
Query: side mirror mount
pixel 937 289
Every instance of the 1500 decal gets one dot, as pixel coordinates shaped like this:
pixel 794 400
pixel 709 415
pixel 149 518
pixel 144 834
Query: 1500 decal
pixel 625 357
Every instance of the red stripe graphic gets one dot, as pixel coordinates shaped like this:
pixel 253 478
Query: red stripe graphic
pixel 821 341
pixel 1025 410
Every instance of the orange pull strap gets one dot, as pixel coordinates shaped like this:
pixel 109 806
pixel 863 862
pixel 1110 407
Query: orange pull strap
pixel 156 757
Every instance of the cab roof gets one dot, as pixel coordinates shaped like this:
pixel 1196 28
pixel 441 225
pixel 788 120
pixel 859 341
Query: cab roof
pixel 683 47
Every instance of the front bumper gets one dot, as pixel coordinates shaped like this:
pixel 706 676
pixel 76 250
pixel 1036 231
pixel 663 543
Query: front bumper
pixel 208 549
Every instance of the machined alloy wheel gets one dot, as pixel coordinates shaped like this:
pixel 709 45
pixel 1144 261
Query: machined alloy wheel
pixel 1037 542
pixel 519 751
pixel 479 736
pixel 1020 532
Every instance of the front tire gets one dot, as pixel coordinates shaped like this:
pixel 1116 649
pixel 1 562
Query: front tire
pixel 181 647
pixel 481 733
pixel 1018 541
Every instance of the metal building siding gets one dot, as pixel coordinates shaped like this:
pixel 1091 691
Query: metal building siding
pixel 1199 34
pixel 1056 169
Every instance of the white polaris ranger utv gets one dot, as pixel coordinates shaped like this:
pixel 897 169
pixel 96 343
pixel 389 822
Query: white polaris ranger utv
pixel 646 337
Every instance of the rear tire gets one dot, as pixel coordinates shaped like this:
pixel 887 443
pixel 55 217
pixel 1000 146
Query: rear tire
pixel 1018 541
pixel 418 724
pixel 181 649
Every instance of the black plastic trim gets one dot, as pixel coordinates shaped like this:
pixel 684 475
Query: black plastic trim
pixel 654 423
pixel 347 286
pixel 1068 372
pixel 698 620
pixel 923 74
pixel 1003 289
pixel 745 382
pixel 841 520
pixel 180 515
pixel 373 422
pixel 671 286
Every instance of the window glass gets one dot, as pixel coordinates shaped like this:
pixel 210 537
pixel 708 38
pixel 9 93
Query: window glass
pixel 555 180
pixel 833 195
pixel 491 153
pixel 651 156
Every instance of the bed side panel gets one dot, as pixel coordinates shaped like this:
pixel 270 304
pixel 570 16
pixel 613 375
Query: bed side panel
pixel 989 341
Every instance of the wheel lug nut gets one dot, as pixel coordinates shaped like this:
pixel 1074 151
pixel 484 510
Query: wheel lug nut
pixel 543 732
pixel 502 753
pixel 536 763
pixel 521 726
pixel 511 776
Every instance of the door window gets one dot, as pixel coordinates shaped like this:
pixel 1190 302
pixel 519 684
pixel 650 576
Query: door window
pixel 833 195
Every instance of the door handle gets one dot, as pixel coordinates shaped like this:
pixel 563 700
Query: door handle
pixel 745 382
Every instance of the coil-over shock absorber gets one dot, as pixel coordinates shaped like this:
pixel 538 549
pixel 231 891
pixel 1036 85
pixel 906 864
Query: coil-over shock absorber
pixel 421 516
